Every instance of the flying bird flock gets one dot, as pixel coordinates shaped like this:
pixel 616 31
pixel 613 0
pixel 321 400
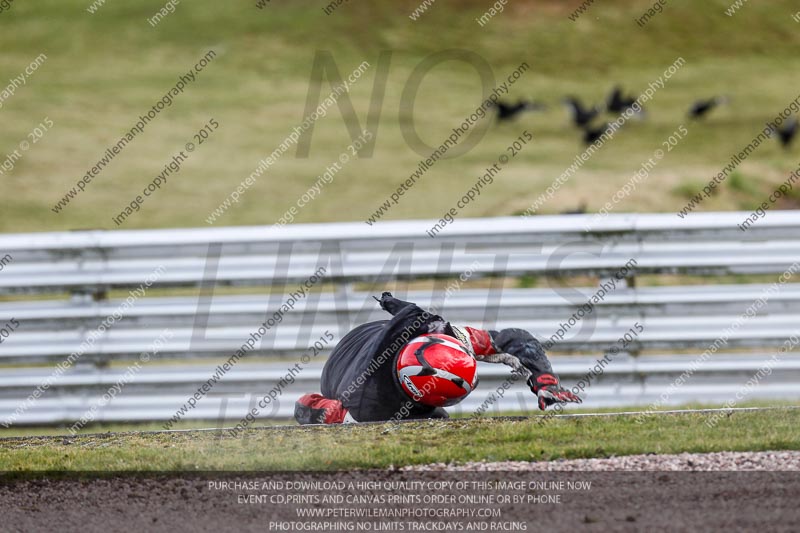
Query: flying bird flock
pixel 588 119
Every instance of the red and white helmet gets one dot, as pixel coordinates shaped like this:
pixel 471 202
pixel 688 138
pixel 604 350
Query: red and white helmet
pixel 436 370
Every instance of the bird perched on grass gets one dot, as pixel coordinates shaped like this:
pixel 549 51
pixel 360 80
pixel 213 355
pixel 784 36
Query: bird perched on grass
pixel 581 116
pixel 619 103
pixel 787 132
pixel 580 210
pixel 509 111
pixel 701 108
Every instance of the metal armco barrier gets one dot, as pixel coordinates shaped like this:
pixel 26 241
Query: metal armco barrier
pixel 60 288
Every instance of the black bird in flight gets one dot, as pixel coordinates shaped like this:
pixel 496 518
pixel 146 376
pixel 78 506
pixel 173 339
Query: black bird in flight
pixel 702 107
pixel 581 116
pixel 617 102
pixel 508 111
pixel 787 132
pixel 592 135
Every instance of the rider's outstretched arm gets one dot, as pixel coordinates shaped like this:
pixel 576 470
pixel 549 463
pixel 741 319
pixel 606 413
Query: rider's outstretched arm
pixel 521 351
pixel 514 347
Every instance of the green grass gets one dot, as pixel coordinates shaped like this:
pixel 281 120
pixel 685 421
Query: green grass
pixel 384 445
pixel 128 427
pixel 104 69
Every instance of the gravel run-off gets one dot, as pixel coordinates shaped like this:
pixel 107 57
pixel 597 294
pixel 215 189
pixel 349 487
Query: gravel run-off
pixel 691 462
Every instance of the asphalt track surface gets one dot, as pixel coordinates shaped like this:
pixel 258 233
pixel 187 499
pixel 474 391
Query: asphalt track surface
pixel 609 501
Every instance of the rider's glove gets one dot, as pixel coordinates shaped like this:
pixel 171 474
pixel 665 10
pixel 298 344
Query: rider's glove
pixel 549 391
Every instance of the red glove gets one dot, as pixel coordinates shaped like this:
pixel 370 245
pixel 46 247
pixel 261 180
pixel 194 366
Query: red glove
pixel 549 391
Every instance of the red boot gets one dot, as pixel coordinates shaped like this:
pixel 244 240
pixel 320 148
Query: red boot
pixel 316 409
